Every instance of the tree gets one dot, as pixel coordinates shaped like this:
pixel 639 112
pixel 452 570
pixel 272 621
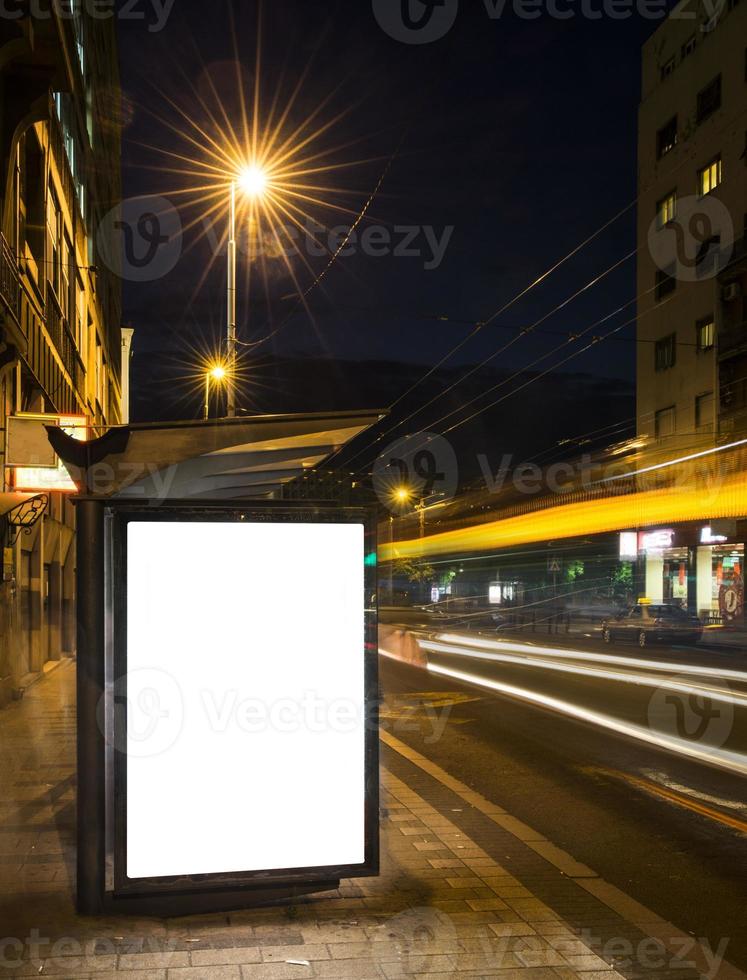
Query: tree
pixel 414 571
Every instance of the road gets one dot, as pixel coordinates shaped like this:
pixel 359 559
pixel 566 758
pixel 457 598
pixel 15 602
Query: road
pixel 634 765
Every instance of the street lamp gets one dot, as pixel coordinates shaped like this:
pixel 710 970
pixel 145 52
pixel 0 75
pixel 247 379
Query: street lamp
pixel 217 373
pixel 252 180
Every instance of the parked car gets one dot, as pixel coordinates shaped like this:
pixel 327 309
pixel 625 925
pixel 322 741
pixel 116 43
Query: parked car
pixel 648 623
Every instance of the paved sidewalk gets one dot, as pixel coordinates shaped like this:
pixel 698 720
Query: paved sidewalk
pixel 444 906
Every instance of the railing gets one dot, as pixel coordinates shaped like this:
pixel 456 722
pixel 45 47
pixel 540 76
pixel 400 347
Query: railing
pixel 10 286
pixel 62 339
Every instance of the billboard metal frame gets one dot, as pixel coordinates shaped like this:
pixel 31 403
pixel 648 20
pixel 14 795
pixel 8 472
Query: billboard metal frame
pixel 102 658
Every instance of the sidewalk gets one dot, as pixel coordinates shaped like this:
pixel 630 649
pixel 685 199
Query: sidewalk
pixel 512 906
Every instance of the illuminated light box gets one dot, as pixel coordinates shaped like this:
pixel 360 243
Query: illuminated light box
pixel 38 477
pixel 242 651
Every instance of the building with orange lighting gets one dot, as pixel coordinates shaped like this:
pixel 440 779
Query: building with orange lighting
pixel 60 307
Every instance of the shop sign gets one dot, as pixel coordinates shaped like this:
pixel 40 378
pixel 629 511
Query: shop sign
pixel 708 536
pixel 656 541
pixel 628 545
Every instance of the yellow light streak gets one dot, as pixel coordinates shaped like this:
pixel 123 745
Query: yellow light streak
pixel 597 516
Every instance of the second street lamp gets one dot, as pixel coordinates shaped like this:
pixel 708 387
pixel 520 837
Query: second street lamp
pixel 216 374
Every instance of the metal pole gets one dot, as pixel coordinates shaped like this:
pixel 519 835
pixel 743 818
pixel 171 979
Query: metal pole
pixel 207 395
pixel 91 680
pixel 231 345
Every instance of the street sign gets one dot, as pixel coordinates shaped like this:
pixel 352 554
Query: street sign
pixel 554 565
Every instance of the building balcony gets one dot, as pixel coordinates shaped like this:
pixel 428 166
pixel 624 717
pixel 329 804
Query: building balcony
pixel 14 297
pixel 59 331
pixel 10 285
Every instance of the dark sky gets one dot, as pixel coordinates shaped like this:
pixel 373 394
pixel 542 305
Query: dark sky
pixel 521 134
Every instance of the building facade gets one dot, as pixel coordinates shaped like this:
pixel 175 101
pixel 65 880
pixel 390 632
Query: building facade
pixel 691 224
pixel 692 289
pixel 60 306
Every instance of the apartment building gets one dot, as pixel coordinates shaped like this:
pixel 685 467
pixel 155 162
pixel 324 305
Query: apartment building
pixel 692 290
pixel 60 307
pixel 692 158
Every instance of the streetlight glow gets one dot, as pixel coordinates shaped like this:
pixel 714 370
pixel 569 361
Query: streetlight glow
pixel 253 181
pixel 218 373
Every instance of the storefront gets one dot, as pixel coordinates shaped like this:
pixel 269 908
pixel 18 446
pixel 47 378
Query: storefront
pixel 699 567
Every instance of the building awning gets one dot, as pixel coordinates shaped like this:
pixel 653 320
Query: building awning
pixel 218 459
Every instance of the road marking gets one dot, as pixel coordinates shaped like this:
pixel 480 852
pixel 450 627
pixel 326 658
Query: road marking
pixel 664 780
pixel 654 789
pixel 648 922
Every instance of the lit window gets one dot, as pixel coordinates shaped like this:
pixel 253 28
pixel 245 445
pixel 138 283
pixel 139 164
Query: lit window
pixel 665 352
pixel 709 177
pixel 666 209
pixel 665 422
pixel 666 138
pixel 705 332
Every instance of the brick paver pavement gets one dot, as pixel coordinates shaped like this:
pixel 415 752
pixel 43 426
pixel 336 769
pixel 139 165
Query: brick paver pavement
pixel 460 894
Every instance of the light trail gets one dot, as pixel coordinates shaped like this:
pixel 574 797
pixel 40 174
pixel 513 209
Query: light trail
pixel 708 755
pixel 718 694
pixel 571 654
pixel 675 462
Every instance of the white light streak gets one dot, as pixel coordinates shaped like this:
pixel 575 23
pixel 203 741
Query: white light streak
pixel 722 758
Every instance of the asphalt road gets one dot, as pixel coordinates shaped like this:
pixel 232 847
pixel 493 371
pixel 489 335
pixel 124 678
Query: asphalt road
pixel 667 827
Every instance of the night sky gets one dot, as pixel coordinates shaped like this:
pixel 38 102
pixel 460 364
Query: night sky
pixel 521 134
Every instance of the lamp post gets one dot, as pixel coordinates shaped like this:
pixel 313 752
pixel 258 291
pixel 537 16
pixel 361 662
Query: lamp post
pixel 217 374
pixel 231 297
pixel 252 181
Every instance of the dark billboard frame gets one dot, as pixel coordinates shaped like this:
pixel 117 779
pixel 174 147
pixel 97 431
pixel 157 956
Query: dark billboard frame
pixel 113 517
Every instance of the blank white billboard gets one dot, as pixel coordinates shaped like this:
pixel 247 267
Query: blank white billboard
pixel 245 697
